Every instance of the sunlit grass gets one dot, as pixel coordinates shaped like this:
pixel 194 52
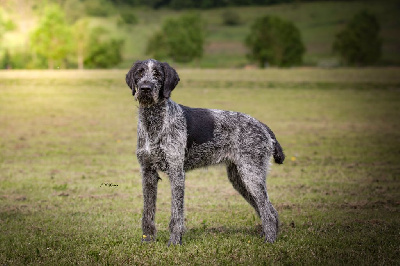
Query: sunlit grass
pixel 64 134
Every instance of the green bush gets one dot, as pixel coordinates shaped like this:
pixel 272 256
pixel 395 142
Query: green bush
pixel 274 41
pixel 359 43
pixel 6 60
pixel 22 60
pixel 52 38
pixel 74 10
pixel 103 52
pixel 5 23
pixel 98 8
pixel 157 46
pixel 127 17
pixel 231 18
pixel 180 39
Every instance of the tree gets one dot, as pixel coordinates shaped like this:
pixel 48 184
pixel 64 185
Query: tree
pixel 181 39
pixel 231 18
pixel 74 10
pixel 81 40
pixel 52 37
pixel 127 17
pixel 6 64
pixel 98 8
pixel 181 4
pixel 359 42
pixel 103 52
pixel 157 46
pixel 5 24
pixel 275 41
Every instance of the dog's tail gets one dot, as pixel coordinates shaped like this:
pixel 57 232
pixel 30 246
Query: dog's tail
pixel 278 154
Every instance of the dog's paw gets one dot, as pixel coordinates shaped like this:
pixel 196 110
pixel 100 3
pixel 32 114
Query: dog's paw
pixel 270 239
pixel 271 233
pixel 175 240
pixel 271 229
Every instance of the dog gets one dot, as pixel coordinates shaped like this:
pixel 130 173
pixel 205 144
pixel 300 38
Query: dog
pixel 174 139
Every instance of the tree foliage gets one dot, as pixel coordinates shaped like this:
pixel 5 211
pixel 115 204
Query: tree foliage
pixel 231 18
pixel 57 41
pixel 81 34
pixel 181 4
pixel 74 10
pixel 180 39
pixel 275 41
pixel 6 63
pixel 98 8
pixel 52 37
pixel 5 25
pixel 102 51
pixel 359 42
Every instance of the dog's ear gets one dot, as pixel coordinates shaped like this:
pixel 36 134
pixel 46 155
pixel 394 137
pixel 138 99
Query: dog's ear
pixel 171 79
pixel 130 76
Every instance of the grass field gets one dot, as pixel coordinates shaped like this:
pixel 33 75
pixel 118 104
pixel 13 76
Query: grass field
pixel 70 188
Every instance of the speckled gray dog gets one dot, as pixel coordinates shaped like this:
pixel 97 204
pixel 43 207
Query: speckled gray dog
pixel 174 138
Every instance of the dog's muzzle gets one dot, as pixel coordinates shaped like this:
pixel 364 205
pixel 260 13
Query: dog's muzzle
pixel 145 88
pixel 145 94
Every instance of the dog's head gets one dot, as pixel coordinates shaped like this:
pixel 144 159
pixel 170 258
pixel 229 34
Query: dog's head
pixel 151 81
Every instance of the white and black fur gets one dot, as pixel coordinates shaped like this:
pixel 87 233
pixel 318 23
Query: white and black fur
pixel 174 138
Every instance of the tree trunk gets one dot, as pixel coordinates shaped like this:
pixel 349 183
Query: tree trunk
pixel 80 61
pixel 51 63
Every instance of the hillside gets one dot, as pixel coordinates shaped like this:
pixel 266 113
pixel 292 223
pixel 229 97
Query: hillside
pixel 317 21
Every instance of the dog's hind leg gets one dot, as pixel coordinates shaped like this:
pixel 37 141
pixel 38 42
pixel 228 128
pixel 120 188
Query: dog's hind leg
pixel 150 179
pixel 253 181
pixel 237 183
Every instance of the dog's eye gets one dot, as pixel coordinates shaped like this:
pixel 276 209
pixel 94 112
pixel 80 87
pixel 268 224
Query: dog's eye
pixel 140 72
pixel 156 74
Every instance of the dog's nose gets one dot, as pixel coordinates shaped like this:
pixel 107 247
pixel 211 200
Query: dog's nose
pixel 145 88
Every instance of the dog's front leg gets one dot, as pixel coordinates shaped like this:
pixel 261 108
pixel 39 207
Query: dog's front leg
pixel 149 183
pixel 176 225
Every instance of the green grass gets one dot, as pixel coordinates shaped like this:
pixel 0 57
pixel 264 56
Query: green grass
pixel 64 134
pixel 318 22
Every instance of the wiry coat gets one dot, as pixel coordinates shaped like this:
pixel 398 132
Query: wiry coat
pixel 174 138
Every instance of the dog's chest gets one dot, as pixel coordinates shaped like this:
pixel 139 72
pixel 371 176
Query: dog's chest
pixel 161 150
pixel 162 136
pixel 150 150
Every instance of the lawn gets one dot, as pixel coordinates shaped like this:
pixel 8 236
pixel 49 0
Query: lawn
pixel 70 187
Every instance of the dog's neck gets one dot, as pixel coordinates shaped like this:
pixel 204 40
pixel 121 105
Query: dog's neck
pixel 152 117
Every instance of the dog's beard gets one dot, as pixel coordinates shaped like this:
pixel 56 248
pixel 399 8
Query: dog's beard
pixel 146 99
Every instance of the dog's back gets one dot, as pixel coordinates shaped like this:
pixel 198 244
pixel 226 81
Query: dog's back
pixel 217 136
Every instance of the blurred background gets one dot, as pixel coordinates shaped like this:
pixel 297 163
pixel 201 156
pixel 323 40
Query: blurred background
pixel 77 34
pixel 70 184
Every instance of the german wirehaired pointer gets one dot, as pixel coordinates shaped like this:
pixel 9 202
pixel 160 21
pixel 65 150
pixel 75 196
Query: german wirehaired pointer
pixel 174 138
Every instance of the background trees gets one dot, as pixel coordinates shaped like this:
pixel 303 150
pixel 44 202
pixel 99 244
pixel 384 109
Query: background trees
pixel 103 52
pixel 275 41
pixel 81 38
pixel 180 4
pixel 56 40
pixel 223 34
pixel 5 25
pixel 180 39
pixel 52 37
pixel 359 43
